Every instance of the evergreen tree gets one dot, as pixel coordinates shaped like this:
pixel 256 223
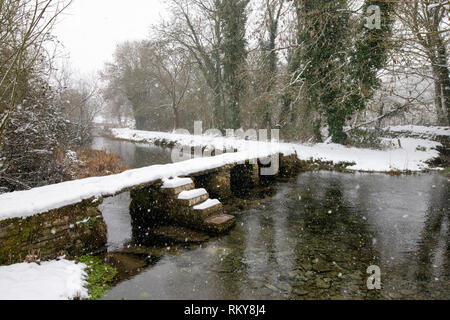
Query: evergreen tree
pixel 233 24
pixel 338 73
pixel 371 52
pixel 269 59
pixel 324 36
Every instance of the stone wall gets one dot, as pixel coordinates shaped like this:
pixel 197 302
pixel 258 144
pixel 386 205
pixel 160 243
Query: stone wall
pixel 150 208
pixel 217 182
pixel 244 177
pixel 73 231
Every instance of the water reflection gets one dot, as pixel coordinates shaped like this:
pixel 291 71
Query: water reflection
pixel 116 213
pixel 314 239
pixel 134 155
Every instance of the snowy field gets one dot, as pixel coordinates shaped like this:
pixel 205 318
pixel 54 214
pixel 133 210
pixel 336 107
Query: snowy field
pixel 53 280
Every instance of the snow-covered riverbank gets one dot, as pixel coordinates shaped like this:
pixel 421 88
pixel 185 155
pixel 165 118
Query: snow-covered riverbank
pixel 419 131
pixel 410 155
pixel 53 280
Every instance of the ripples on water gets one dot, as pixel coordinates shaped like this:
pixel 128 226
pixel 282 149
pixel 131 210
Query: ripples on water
pixel 313 239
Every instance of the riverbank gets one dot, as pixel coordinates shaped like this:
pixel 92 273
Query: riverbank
pixel 403 154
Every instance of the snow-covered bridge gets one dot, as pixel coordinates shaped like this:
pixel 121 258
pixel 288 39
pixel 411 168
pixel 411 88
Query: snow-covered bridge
pixel 64 218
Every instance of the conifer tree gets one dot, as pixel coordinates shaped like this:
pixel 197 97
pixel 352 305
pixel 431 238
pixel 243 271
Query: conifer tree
pixel 234 51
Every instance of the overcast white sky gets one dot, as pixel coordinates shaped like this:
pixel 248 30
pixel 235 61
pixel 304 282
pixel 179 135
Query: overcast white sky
pixel 91 29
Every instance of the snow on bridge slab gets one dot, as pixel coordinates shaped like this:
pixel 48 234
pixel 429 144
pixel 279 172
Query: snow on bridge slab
pixel 207 204
pixel 176 182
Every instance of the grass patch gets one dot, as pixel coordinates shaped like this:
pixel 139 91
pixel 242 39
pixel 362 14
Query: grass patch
pixel 100 276
pixel 97 163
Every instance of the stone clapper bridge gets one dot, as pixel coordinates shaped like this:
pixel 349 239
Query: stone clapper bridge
pixel 64 219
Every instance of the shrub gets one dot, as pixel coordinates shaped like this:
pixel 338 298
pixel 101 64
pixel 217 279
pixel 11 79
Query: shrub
pixel 95 163
pixel 361 138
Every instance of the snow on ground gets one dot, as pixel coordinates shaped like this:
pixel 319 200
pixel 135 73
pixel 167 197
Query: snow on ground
pixel 411 157
pixel 422 131
pixel 406 158
pixel 54 280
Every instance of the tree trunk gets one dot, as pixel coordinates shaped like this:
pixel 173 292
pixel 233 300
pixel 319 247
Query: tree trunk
pixel 444 79
pixel 140 122
pixel 380 119
pixel 441 96
pixel 176 118
pixel 438 55
pixel 438 100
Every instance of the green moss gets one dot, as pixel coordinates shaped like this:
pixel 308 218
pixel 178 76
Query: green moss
pixel 100 276
pixel 92 223
pixel 445 171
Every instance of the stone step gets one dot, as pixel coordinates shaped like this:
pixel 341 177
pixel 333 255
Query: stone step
pixel 193 197
pixel 175 186
pixel 176 234
pixel 220 223
pixel 208 208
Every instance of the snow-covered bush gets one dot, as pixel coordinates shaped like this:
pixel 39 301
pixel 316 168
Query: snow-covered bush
pixel 364 138
pixel 34 144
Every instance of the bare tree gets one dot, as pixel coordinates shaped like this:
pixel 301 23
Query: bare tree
pixel 173 72
pixel 25 27
pixel 196 25
pixel 80 101
pixel 130 75
pixel 154 77
pixel 427 38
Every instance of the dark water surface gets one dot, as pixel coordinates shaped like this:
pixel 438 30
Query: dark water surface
pixel 314 238
pixel 134 155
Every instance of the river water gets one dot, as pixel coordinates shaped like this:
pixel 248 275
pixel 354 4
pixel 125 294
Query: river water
pixel 314 237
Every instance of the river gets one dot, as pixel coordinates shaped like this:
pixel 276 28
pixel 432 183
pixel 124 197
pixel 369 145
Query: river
pixel 314 237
